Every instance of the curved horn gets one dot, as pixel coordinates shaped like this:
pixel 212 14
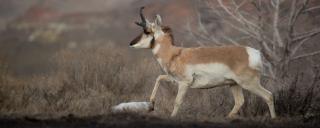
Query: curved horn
pixel 143 19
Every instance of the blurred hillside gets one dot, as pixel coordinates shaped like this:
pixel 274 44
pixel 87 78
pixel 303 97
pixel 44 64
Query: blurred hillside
pixel 32 31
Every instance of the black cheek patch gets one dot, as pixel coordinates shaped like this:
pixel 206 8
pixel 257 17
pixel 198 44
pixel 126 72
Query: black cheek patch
pixel 152 43
pixel 136 40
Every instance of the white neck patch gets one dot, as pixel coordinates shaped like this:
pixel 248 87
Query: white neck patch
pixel 157 34
pixel 156 49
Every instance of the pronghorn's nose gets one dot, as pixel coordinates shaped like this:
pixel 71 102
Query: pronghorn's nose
pixel 131 43
pixel 135 40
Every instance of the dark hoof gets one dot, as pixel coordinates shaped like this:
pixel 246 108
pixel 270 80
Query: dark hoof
pixel 151 107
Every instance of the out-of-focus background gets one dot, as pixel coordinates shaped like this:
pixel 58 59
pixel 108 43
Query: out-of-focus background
pixel 32 31
pixel 71 57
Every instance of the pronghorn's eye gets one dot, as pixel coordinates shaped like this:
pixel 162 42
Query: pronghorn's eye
pixel 146 32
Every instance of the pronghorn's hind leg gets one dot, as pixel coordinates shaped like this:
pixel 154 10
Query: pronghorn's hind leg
pixel 237 93
pixel 255 87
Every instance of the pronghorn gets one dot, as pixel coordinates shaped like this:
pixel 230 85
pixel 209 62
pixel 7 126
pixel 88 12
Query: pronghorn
pixel 203 67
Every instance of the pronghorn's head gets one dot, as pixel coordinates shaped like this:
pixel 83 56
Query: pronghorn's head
pixel 151 32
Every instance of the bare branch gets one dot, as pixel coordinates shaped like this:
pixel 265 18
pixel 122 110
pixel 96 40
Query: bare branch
pixel 306 35
pixel 311 9
pixel 277 35
pixel 246 21
pixel 240 5
pixel 292 16
pixel 306 55
pixel 201 26
pixel 299 11
pixel 191 34
pixel 269 68
pixel 240 18
pixel 272 56
pixel 303 38
pixel 213 38
pixel 298 46
pixel 230 40
pixel 229 12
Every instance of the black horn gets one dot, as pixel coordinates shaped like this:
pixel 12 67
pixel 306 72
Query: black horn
pixel 143 22
pixel 143 19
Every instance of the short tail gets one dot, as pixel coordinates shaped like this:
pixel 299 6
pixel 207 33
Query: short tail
pixel 255 60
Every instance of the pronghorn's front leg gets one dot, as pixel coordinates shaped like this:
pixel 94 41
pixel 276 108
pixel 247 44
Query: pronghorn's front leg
pixel 183 87
pixel 156 86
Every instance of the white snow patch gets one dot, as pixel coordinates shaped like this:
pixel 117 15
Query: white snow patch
pixel 132 107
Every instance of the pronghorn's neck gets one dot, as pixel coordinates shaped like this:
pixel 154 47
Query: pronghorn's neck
pixel 163 41
pixel 164 50
pixel 163 45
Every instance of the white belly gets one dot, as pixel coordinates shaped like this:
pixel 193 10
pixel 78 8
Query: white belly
pixel 209 75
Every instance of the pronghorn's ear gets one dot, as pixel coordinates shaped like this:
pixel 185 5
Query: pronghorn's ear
pixel 158 20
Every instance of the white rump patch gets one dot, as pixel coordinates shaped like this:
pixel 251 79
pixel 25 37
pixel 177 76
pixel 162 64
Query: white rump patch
pixel 255 60
pixel 132 107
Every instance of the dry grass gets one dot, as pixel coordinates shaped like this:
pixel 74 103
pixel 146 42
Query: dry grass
pixel 86 82
pixel 89 81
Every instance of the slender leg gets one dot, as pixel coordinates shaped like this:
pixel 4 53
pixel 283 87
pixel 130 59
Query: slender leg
pixel 257 89
pixel 179 99
pixel 155 89
pixel 237 93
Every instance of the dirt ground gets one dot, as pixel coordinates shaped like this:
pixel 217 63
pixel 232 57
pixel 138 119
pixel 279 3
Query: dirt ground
pixel 142 121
